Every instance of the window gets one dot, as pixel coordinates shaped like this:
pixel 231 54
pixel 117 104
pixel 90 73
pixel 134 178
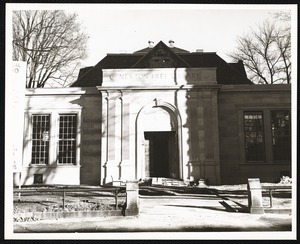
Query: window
pixel 254 136
pixel 53 139
pixel 67 138
pixel 40 139
pixel 281 135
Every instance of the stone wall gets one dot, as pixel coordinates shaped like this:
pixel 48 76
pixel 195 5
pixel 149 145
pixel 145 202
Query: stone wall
pixel 232 101
pixel 86 103
pixel 207 119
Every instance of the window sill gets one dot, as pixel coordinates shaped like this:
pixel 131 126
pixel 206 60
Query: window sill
pixel 37 165
pixel 67 165
pixel 53 166
pixel 255 162
pixel 264 163
pixel 282 162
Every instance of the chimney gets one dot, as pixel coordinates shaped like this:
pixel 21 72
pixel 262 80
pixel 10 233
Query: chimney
pixel 171 43
pixel 199 50
pixel 151 44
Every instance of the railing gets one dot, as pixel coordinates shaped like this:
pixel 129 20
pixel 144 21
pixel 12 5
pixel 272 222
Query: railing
pixel 255 198
pixel 273 188
pixel 114 190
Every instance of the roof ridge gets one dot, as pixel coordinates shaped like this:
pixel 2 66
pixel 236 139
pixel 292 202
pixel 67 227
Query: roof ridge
pixel 84 74
pixel 231 64
pixel 154 48
pixel 234 69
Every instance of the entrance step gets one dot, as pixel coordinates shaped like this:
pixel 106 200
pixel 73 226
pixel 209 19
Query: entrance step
pixel 167 181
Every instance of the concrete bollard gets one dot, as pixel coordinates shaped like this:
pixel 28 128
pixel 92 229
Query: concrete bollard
pixel 132 198
pixel 255 196
pixel 201 183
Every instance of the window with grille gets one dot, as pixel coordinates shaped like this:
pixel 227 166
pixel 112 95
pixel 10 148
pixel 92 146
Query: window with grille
pixel 67 138
pixel 281 135
pixel 254 136
pixel 40 139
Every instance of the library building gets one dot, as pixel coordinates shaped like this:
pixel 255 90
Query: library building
pixel 161 112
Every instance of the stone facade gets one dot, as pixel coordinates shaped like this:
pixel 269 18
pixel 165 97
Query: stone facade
pixel 135 123
pixel 132 111
pixel 232 102
pixel 86 104
pixel 113 122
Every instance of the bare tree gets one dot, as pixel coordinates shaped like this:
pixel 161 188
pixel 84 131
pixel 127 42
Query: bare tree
pixel 51 43
pixel 283 42
pixel 266 51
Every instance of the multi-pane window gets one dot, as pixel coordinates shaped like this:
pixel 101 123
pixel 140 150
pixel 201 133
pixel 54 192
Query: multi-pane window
pixel 281 135
pixel 40 139
pixel 67 138
pixel 254 136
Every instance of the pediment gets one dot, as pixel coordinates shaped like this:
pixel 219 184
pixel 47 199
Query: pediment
pixel 161 56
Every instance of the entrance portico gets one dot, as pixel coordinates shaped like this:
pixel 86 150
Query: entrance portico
pixel 152 127
pixel 158 142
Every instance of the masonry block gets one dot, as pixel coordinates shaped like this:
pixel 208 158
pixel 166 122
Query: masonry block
pixel 255 196
pixel 132 198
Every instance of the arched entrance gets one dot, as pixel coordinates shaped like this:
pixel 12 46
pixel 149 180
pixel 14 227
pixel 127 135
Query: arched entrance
pixel 158 141
pixel 160 154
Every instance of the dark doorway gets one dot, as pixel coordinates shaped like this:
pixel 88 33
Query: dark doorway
pixel 160 154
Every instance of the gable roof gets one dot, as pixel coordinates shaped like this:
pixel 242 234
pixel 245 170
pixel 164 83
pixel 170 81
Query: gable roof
pixel 161 50
pixel 227 73
pixel 240 67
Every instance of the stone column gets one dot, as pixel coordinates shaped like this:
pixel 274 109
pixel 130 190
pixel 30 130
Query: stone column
pixel 255 196
pixel 110 136
pixel 211 162
pixel 194 163
pixel 118 137
pixel 132 198
pixel 104 136
pixel 215 137
pixel 125 140
pixel 201 136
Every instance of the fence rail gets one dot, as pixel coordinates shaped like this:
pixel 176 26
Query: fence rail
pixel 273 188
pixel 114 190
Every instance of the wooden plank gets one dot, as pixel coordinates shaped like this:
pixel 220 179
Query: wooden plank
pixel 275 187
pixel 68 190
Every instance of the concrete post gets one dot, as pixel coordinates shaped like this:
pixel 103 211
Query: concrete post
pixel 255 196
pixel 201 183
pixel 132 198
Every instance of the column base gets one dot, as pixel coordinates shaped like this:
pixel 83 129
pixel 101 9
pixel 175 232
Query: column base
pixel 257 210
pixel 131 212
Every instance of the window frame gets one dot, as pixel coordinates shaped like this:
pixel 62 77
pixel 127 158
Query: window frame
pixel 53 134
pixel 32 140
pixel 263 160
pixel 276 161
pixel 267 123
pixel 59 140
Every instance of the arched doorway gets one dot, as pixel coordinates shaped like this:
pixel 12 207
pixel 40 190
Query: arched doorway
pixel 160 154
pixel 158 141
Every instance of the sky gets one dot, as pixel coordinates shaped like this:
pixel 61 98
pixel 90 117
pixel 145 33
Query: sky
pixel 125 28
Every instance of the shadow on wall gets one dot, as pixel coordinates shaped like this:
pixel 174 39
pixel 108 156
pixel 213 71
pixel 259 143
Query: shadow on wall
pixel 43 175
pixel 51 172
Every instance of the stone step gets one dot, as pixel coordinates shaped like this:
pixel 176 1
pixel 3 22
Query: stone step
pixel 167 181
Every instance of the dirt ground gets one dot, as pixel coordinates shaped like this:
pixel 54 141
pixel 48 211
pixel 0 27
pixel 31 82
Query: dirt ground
pixel 74 201
pixel 95 200
pixel 282 199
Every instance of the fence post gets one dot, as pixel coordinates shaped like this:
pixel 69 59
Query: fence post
pixel 271 197
pixel 255 196
pixel 64 199
pixel 132 198
pixel 116 197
